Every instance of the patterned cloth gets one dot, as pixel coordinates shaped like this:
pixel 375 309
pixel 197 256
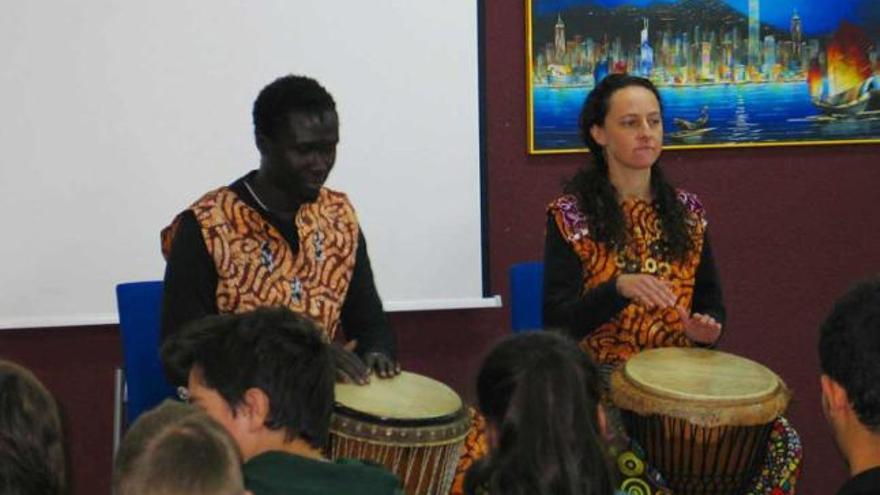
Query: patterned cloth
pixel 256 266
pixel 636 476
pixel 782 467
pixel 636 327
pixel 476 446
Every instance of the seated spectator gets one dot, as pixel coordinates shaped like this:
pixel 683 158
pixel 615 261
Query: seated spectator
pixel 268 377
pixel 849 354
pixel 540 396
pixel 176 449
pixel 31 441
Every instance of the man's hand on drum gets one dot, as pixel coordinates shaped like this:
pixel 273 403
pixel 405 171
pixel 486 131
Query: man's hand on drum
pixel 647 290
pixel 350 368
pixel 383 365
pixel 700 328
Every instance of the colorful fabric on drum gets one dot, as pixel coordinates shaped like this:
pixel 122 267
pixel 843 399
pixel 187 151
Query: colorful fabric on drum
pixel 256 266
pixel 637 477
pixel 782 467
pixel 636 327
pixel 476 446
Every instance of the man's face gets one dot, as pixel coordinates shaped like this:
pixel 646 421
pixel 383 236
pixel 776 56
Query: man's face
pixel 299 159
pixel 210 401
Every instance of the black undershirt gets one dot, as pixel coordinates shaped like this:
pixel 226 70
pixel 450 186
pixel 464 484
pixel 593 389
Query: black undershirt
pixel 864 483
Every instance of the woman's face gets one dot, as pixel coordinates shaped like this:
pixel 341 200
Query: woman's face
pixel 632 134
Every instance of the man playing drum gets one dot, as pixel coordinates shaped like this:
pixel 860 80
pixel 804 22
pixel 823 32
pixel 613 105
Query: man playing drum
pixel 268 377
pixel 849 352
pixel 277 237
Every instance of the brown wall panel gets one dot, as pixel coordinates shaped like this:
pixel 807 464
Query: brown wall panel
pixel 77 365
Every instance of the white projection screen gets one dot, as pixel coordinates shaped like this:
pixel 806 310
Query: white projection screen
pixel 116 115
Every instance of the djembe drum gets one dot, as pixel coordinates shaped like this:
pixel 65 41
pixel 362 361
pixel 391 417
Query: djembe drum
pixel 702 416
pixel 411 424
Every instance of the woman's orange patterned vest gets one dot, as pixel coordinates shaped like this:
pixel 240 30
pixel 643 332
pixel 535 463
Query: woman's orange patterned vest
pixel 635 327
pixel 256 267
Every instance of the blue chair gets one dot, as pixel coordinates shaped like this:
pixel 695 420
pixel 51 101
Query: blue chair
pixel 526 296
pixel 140 309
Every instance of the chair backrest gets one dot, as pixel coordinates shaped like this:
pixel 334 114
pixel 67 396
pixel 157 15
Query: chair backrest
pixel 526 296
pixel 140 309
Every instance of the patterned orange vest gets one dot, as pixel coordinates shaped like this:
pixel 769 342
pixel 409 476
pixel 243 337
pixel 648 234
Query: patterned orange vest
pixel 635 327
pixel 256 267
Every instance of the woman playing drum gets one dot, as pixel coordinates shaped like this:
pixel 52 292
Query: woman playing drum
pixel 628 264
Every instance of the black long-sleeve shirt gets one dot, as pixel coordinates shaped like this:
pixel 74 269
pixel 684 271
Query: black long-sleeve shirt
pixel 579 314
pixel 191 282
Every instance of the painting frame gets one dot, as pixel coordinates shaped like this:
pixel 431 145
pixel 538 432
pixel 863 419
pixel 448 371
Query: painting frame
pixel 790 81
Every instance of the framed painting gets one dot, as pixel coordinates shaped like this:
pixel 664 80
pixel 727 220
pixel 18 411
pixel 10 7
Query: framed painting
pixel 730 72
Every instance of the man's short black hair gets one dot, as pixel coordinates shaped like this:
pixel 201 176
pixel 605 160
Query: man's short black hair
pixel 286 95
pixel 849 349
pixel 275 350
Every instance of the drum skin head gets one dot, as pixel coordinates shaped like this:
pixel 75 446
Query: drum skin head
pixel 407 397
pixel 696 374
pixel 706 387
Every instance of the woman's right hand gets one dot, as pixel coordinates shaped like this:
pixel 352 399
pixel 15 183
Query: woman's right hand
pixel 646 290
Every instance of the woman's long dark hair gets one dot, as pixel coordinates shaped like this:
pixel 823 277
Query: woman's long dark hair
pixel 541 392
pixel 596 195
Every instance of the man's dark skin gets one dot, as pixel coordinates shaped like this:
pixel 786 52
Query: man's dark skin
pixel 293 168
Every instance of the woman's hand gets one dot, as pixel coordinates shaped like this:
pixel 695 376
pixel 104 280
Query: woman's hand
pixel 647 290
pixel 702 329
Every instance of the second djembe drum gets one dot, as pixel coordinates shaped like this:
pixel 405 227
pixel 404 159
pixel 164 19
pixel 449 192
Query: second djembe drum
pixel 411 424
pixel 702 416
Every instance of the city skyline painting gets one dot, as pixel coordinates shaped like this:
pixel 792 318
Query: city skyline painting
pixel 730 72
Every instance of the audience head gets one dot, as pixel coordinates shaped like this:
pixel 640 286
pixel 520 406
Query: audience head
pixel 264 374
pixel 31 440
pixel 540 395
pixel 176 449
pixel 849 353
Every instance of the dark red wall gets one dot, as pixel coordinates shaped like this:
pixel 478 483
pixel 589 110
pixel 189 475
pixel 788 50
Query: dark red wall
pixel 77 364
pixel 792 228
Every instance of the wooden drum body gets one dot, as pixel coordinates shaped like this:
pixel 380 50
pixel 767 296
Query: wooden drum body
pixel 411 424
pixel 702 416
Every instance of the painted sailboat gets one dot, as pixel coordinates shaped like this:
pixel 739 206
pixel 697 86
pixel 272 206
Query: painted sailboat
pixel 689 130
pixel 848 87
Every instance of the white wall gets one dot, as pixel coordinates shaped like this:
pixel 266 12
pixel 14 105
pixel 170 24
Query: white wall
pixel 116 115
